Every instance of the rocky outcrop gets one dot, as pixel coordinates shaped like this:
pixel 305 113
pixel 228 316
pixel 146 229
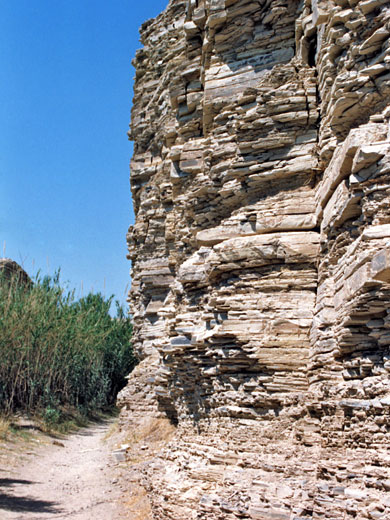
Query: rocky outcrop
pixel 261 258
pixel 10 270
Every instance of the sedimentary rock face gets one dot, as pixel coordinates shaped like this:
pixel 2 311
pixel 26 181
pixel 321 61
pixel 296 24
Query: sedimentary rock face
pixel 261 256
pixel 10 269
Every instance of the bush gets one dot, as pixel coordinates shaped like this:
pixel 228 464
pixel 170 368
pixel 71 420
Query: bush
pixel 51 416
pixel 58 351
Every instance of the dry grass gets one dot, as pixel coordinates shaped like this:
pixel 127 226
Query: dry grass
pixel 155 430
pixel 19 437
pixel 145 442
pixel 5 425
pixel 148 431
pixel 152 434
pixel 112 431
pixel 138 506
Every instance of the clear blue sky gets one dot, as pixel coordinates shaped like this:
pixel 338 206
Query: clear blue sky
pixel 65 100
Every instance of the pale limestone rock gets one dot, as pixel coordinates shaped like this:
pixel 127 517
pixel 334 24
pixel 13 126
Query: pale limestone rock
pixel 260 283
pixel 380 265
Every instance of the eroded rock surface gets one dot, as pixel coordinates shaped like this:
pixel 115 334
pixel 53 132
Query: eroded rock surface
pixel 261 258
pixel 10 270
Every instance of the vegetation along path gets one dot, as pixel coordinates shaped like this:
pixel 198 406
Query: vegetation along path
pixel 76 478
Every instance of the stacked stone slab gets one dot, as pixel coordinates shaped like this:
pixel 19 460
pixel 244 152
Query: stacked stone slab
pixel 261 258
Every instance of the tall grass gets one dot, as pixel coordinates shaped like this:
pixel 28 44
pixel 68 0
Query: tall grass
pixel 58 351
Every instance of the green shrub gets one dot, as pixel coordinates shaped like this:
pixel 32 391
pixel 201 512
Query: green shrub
pixel 58 351
pixel 51 416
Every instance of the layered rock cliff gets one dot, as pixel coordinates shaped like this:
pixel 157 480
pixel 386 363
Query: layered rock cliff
pixel 261 258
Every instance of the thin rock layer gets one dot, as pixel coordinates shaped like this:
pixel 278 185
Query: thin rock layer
pixel 261 258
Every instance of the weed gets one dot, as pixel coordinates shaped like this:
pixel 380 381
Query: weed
pixel 4 428
pixel 51 416
pixel 56 351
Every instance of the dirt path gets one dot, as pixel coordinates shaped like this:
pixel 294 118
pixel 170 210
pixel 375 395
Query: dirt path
pixel 76 479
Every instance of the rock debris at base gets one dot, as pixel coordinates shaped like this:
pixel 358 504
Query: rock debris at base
pixel 261 258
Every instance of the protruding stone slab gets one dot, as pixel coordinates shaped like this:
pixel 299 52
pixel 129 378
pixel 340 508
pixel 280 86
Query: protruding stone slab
pixel 380 266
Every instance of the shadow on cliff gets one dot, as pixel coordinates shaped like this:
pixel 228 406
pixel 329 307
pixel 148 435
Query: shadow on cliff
pixel 207 380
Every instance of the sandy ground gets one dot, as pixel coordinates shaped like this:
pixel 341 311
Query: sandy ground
pixel 76 478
